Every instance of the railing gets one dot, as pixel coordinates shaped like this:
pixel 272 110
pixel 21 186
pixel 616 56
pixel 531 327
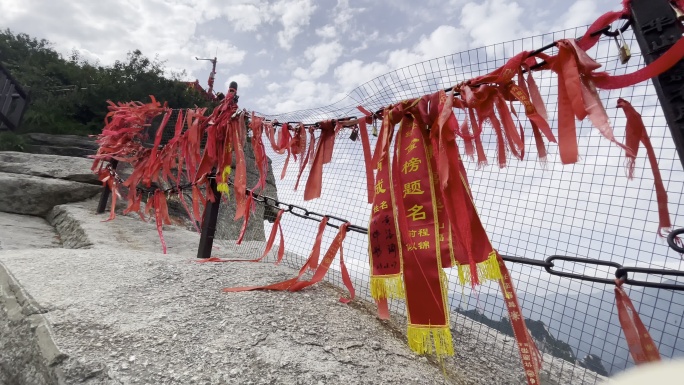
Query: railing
pixel 566 232
pixel 13 101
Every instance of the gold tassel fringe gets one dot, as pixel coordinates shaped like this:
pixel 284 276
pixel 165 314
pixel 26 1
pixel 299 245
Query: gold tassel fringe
pixel 426 339
pixel 486 271
pixel 391 286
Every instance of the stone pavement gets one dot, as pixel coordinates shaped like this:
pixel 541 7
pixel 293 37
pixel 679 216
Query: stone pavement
pixel 120 312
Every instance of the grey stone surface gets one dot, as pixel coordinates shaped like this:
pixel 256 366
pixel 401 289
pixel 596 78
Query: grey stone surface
pixel 75 152
pixel 65 145
pixel 48 166
pixel 21 360
pixel 79 227
pixel 121 313
pixel 62 140
pixel 119 316
pixel 26 232
pixel 72 232
pixel 31 195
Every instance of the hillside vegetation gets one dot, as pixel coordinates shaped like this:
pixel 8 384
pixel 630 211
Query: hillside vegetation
pixel 69 94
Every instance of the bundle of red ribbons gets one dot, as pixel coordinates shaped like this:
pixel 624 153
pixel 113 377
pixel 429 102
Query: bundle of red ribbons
pixel 182 158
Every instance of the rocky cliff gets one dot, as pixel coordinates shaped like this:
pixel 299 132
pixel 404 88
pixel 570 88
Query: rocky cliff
pixel 45 145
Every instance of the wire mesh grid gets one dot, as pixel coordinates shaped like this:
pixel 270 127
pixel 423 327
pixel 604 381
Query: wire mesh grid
pixel 589 209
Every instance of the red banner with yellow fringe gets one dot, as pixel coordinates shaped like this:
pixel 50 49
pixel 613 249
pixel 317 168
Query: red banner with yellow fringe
pixel 424 280
pixel 384 240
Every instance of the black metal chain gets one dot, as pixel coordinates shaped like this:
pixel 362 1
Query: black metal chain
pixel 300 211
pixel 674 242
pixel 621 272
pixel 151 190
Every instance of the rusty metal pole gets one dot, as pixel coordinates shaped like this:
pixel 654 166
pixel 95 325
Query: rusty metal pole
pixel 106 191
pixel 211 210
pixel 209 221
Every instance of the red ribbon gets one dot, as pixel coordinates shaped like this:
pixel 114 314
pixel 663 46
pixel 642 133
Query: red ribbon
pixel 529 354
pixel 269 245
pixel 365 143
pixel 294 284
pixel 671 57
pixel 635 133
pixel 587 41
pixel 157 204
pixel 641 345
pixel 323 155
pixel 471 238
pixel 257 125
pixel 240 178
pixel 250 208
pixel 308 158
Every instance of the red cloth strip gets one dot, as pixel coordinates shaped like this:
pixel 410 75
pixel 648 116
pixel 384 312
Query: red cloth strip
pixel 323 155
pixel 635 133
pixel 671 57
pixel 529 354
pixel 641 345
pixel 269 245
pixel 294 284
pixel 365 143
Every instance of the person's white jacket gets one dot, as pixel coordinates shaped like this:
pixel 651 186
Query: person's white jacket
pixel 667 372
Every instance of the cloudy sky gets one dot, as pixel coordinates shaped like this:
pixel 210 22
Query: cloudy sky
pixel 289 54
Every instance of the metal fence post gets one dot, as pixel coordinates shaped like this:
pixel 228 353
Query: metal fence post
pixel 209 222
pixel 656 29
pixel 211 210
pixel 13 101
pixel 106 191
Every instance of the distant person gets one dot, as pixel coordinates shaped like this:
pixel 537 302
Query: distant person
pixel 220 96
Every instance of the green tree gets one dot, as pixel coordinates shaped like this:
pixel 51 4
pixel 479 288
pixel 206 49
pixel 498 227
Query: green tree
pixel 69 95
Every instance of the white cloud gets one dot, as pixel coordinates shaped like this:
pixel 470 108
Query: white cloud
pixel 243 81
pixel 343 14
pixel 493 21
pixel 321 57
pixel 293 15
pixel 273 87
pixel 582 12
pixel 301 94
pixel 247 16
pixel 355 72
pixel 250 15
pixel 327 31
pixel 442 41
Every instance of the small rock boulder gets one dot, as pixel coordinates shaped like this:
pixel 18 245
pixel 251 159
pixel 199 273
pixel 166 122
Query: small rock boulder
pixel 48 166
pixel 33 195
